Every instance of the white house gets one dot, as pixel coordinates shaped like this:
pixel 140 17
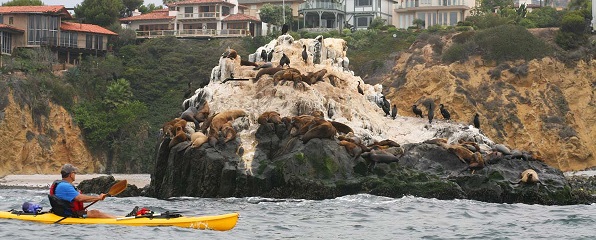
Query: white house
pixel 432 12
pixel 360 13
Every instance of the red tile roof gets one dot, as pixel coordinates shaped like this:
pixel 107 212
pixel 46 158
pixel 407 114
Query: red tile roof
pixel 9 27
pixel 189 2
pixel 83 27
pixel 36 9
pixel 155 15
pixel 240 17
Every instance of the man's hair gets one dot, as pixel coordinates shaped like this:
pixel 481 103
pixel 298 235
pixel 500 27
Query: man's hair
pixel 67 169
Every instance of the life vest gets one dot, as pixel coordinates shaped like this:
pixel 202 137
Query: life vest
pixel 60 206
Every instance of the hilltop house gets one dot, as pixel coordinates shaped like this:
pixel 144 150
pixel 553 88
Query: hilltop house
pixel 328 14
pixel 195 19
pixel 253 7
pixel 43 26
pixel 432 12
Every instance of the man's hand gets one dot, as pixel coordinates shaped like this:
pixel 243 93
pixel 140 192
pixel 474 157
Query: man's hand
pixel 102 196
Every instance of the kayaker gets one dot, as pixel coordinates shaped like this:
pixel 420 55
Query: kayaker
pixel 67 200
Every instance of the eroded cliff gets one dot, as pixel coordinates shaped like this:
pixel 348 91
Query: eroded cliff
pixel 39 148
pixel 541 105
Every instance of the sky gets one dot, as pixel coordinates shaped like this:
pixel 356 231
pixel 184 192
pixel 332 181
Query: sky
pixel 72 3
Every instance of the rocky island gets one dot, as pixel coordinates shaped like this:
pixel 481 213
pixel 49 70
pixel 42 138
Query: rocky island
pixel 311 129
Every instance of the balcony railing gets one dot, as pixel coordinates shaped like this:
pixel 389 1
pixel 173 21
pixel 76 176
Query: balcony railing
pixel 321 5
pixel 201 15
pixel 194 33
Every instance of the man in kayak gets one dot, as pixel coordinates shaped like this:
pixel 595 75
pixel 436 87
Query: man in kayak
pixel 67 200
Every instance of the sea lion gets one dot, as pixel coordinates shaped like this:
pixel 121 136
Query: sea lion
pixel 352 148
pixel 529 176
pixel 228 132
pixel 198 139
pixel 417 111
pixel 248 63
pixel 377 156
pixel 446 115
pixel 290 74
pixel 203 113
pixel 269 117
pixel 477 121
pixel 350 137
pixel 190 115
pixel 312 78
pixel 387 143
pixel 220 119
pixel 472 146
pixel 180 137
pixel 462 153
pixel 264 65
pixel 476 163
pixel 207 123
pixel 342 128
pixel 270 71
pixel 232 54
pixel 502 148
pixel 317 114
pixel 323 130
pixel 169 128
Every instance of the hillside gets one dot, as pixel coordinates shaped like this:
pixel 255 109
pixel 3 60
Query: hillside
pixel 540 105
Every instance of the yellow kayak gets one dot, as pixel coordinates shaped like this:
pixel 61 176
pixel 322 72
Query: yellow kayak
pixel 222 222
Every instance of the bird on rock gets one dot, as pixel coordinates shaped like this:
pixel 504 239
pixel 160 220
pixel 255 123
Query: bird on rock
pixel 304 54
pixel 444 112
pixel 417 111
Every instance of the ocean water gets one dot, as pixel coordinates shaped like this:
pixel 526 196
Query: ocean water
pixel 350 217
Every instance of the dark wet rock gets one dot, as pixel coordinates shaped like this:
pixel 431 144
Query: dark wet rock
pixel 284 167
pixel 103 184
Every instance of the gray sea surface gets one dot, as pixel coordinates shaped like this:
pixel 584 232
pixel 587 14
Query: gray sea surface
pixel 350 217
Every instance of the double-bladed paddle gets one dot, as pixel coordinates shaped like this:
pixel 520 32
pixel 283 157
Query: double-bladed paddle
pixel 116 189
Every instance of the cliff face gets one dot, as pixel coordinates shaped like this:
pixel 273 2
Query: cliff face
pixel 540 105
pixel 28 148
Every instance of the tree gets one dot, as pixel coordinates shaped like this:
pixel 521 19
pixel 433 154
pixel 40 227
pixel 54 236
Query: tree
pixel 545 17
pixel 105 123
pixel 149 8
pixel 418 22
pixel 488 6
pixel 377 23
pixel 273 14
pixel 24 3
pixel 129 6
pixel 100 12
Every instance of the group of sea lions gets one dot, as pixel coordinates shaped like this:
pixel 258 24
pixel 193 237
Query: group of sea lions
pixel 476 159
pixel 204 127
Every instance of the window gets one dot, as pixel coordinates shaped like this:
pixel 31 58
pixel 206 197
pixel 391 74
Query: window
pixel 362 22
pixel 98 42
pixel 1 18
pixel 236 25
pixel 10 20
pixel 187 9
pixel 88 41
pixel 362 3
pixel 69 39
pixel 204 9
pixel 453 18
pixel 225 11
pixel 6 43
pixel 42 29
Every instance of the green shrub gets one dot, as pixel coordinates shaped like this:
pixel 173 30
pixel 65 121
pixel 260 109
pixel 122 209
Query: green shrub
pixel 458 52
pixel 569 40
pixel 573 22
pixel 510 42
pixel 463 37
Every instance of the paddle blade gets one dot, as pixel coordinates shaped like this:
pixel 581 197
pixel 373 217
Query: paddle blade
pixel 118 187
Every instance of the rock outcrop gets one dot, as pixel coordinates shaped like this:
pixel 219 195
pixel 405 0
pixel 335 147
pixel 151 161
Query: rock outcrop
pixel 272 159
pixel 30 148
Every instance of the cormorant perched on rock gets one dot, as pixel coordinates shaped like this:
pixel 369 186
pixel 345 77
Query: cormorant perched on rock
pixel 360 89
pixel 284 29
pixel 263 55
pixel 270 56
pixel 431 113
pixel 284 60
pixel 393 111
pixel 304 54
pixel 444 112
pixel 417 111
pixel 385 106
pixel 476 121
pixel 188 91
